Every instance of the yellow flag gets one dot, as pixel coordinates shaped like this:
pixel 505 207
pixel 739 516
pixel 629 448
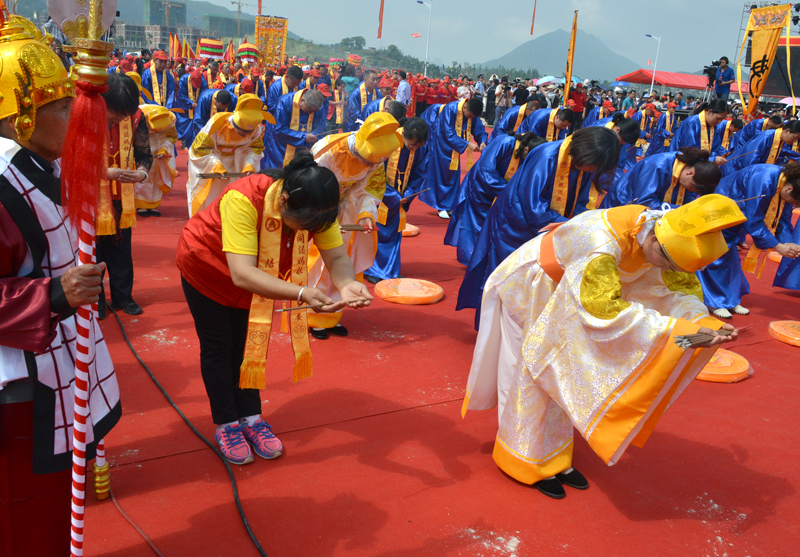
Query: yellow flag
pixel 570 57
pixel 766 25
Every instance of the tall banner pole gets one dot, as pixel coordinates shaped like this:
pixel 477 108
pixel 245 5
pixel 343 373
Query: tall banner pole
pixel 570 57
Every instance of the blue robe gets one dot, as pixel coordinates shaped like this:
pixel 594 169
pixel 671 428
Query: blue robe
pixel 788 275
pixel 387 256
pixel 430 115
pixel 748 132
pixel 647 183
pixel 482 184
pixel 592 117
pixel 282 135
pixel 756 151
pixel 660 134
pixel 649 128
pixel 371 108
pixel 506 123
pixel 202 113
pixel 720 130
pixel 147 83
pixel 724 283
pixel 183 122
pixel 274 95
pixel 354 107
pixel 442 141
pixel 518 213
pixel 627 158
pixel 537 123
pixel 688 133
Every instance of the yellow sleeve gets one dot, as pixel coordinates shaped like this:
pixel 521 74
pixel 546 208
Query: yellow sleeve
pixel 601 288
pixel 330 238
pixel 678 281
pixel 239 224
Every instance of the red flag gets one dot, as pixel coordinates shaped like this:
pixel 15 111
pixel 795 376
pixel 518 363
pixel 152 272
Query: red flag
pixel 380 21
pixel 649 63
pixel 416 35
pixel 534 16
pixel 259 7
pixel 229 52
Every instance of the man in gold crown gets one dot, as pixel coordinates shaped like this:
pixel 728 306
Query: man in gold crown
pixel 357 161
pixel 229 143
pixel 578 330
pixel 41 284
pixel 163 136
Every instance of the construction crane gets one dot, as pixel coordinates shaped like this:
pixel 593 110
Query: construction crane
pixel 166 4
pixel 239 4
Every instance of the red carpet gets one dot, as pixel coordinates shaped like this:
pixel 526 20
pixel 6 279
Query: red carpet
pixel 378 461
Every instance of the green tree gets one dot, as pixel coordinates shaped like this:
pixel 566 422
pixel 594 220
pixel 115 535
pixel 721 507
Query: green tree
pixel 359 43
pixel 394 53
pixel 347 43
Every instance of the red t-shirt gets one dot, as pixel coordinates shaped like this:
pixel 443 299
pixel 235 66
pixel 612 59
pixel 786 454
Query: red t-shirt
pixel 579 99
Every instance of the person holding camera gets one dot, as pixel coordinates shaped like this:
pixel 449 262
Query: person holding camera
pixel 725 76
pixel 503 100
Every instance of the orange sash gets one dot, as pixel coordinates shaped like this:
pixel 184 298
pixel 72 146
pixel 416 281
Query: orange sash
pixel 706 135
pixel 520 118
pixel 551 126
pixel 777 143
pixel 771 220
pixel 513 165
pixel 726 137
pixel 459 124
pixel 668 127
pixel 558 202
pixel 677 168
pixel 159 91
pixel 259 327
pixel 294 125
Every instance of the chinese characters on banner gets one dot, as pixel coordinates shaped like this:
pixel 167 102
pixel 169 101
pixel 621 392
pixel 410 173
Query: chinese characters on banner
pixel 271 39
pixel 766 25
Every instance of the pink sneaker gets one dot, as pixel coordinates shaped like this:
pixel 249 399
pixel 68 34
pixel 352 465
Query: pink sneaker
pixel 260 436
pixel 232 444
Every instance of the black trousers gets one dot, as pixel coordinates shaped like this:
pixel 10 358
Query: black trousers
pixel 115 252
pixel 420 108
pixel 222 332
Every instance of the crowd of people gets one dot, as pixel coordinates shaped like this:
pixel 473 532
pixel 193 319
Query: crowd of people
pixel 590 229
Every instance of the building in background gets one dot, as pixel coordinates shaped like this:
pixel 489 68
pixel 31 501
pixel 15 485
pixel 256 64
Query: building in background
pixel 222 26
pixel 156 12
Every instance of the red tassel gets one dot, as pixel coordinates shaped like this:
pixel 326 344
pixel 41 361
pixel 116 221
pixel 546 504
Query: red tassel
pixel 83 162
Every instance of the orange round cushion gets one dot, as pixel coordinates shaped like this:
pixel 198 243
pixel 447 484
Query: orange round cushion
pixel 726 367
pixel 796 211
pixel 410 230
pixel 412 292
pixel 786 331
pixel 775 256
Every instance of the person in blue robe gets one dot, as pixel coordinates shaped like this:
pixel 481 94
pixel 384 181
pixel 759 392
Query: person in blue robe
pixel 688 133
pixel 724 283
pixel 523 208
pixel 757 150
pixel 385 104
pixel 354 106
pixel 218 99
pixel 788 275
pixel 537 123
pixel 482 184
pixel 283 136
pixel 183 121
pixel 628 131
pixel 400 183
pixel 160 66
pixel 442 179
pixel 507 123
pixel 431 113
pixel 649 182
pixel 647 112
pixel 292 78
pixel 751 129
pixel 660 133
pixel 733 128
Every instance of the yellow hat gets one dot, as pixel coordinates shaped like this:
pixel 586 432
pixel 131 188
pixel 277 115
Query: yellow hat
pixel 136 77
pixel 159 118
pixel 378 137
pixel 248 115
pixel 691 235
pixel 31 75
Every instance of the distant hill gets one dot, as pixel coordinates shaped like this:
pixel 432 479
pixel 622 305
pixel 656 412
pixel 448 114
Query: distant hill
pixel 548 55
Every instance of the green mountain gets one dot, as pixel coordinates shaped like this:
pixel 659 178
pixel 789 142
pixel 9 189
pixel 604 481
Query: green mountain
pixel 548 54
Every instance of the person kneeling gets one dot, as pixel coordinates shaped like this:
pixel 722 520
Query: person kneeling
pixel 247 249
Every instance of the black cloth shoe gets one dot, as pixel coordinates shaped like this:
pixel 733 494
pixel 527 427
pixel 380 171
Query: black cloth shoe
pixel 320 334
pixel 551 487
pixel 372 280
pixel 130 307
pixel 101 309
pixel 573 479
pixel 153 213
pixel 338 330
pixel 142 212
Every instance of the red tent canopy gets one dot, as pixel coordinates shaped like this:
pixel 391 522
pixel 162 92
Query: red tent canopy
pixel 675 80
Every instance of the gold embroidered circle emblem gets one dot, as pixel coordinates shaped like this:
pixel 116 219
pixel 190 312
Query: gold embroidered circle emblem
pixel 39 59
pixel 272 225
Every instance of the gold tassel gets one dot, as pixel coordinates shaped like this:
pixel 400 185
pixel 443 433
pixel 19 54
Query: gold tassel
pixel 763 264
pixel 302 367
pixel 751 261
pixel 252 374
pixel 402 220
pixel 105 225
pixel 469 160
pixel 454 161
pixel 383 213
pixel 128 218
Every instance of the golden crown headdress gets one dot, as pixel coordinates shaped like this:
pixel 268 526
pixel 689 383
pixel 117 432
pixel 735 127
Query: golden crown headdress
pixel 31 75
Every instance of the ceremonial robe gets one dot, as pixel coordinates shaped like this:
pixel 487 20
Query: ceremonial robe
pixel 688 134
pixel 283 135
pixel 757 151
pixel 748 132
pixel 649 182
pixel 538 122
pixel 627 159
pixel 520 211
pixel 724 282
pixel 148 194
pixel 184 124
pixel 355 106
pixel 482 184
pixel 665 129
pixel 592 350
pixel 162 94
pixel 218 148
pixel 443 172
pixel 510 122
pixel 206 109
